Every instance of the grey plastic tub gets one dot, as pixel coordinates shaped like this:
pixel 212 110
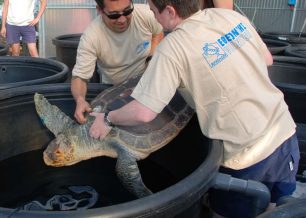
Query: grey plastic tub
pixel 179 174
pixel 25 71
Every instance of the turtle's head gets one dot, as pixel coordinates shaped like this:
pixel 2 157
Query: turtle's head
pixel 61 151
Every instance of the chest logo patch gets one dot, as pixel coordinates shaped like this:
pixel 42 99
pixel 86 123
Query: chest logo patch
pixel 142 46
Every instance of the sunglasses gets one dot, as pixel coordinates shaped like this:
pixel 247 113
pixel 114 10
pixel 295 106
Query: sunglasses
pixel 115 16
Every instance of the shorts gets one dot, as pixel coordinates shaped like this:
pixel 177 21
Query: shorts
pixel 14 33
pixel 277 172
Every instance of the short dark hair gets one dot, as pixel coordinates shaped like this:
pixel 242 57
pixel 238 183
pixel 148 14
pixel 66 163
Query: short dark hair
pixel 100 3
pixel 184 8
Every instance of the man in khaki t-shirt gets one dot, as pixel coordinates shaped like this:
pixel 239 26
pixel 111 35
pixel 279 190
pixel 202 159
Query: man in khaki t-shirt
pixel 219 63
pixel 120 40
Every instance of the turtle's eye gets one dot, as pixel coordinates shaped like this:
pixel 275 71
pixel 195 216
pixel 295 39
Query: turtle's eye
pixel 64 143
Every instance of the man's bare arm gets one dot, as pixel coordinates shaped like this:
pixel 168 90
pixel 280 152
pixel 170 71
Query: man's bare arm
pixel 229 4
pixel 131 114
pixel 42 8
pixel 4 17
pixel 268 58
pixel 155 41
pixel 79 90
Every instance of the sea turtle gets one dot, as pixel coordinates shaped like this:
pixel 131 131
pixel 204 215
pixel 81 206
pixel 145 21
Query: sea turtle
pixel 73 144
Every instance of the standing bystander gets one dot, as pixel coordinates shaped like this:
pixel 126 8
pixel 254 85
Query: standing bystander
pixel 18 21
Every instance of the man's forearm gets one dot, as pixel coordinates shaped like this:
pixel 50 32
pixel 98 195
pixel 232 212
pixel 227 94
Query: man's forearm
pixel 4 12
pixel 78 88
pixel 155 41
pixel 229 4
pixel 133 113
pixel 43 5
pixel 268 58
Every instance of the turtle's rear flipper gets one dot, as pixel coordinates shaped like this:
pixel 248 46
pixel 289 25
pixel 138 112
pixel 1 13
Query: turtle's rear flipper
pixel 128 173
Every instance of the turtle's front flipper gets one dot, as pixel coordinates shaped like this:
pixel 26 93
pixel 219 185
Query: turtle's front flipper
pixel 53 118
pixel 128 173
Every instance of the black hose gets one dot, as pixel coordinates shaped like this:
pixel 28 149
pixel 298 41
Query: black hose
pixel 258 191
pixel 295 208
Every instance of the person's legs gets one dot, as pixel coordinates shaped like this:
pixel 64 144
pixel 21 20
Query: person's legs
pixel 277 172
pixel 29 37
pixel 15 49
pixel 13 38
pixel 33 49
pixel 286 168
pixel 287 172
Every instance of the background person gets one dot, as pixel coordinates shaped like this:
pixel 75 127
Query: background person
pixel 18 21
pixel 121 40
pixel 219 63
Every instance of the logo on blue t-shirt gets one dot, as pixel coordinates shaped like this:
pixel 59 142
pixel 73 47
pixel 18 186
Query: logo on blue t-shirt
pixel 142 46
pixel 216 52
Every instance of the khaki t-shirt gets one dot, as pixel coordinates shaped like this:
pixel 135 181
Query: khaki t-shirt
pixel 217 58
pixel 119 55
